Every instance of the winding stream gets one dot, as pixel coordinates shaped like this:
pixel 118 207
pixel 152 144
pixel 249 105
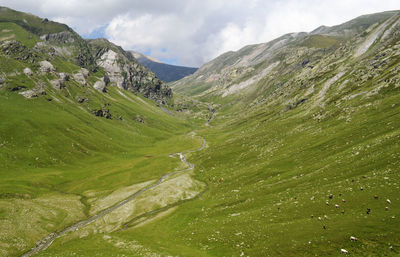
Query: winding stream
pixel 45 242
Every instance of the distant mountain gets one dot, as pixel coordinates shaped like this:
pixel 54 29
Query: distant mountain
pixel 163 71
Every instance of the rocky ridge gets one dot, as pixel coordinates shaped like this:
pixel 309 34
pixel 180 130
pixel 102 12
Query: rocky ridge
pixel 60 53
pixel 296 61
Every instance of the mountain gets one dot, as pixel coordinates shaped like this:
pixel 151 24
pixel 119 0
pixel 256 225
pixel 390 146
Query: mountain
pixel 303 149
pixel 240 72
pixel 165 72
pixel 54 48
pixel 77 116
pixel 285 148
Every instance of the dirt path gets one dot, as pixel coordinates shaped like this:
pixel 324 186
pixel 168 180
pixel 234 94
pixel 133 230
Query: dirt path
pixel 45 242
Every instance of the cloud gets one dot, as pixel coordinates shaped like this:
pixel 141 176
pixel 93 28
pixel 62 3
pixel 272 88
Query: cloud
pixel 192 32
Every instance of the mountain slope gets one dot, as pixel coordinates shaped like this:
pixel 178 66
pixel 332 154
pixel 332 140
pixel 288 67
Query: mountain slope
pixel 236 72
pixel 165 72
pixel 304 155
pixel 80 120
pixel 300 158
pixel 65 51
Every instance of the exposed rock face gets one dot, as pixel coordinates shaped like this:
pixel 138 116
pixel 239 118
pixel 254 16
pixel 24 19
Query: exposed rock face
pixel 46 66
pixel 302 57
pixel 109 61
pixel 124 72
pixel 18 51
pixel 28 72
pixel 61 37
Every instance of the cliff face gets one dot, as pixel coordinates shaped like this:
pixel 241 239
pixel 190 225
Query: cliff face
pixel 126 73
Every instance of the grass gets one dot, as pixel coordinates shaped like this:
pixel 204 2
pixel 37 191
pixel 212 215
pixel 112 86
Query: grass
pixel 272 181
pixel 12 31
pixel 30 22
pixel 319 41
pixel 278 180
pixel 270 173
pixel 48 148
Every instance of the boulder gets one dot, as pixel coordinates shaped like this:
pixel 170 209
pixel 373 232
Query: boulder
pixel 46 66
pixel 81 99
pixel 29 94
pixel 100 86
pixel 63 76
pixel 57 84
pixel 36 92
pixel 28 71
pixel 81 76
pixel 78 77
pixel 103 113
pixel 85 72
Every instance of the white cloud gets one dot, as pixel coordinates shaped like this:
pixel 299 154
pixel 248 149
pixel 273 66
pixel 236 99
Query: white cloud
pixel 192 31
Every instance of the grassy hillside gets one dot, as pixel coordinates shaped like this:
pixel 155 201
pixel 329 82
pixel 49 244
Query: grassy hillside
pixel 301 154
pixel 53 152
pixel 69 150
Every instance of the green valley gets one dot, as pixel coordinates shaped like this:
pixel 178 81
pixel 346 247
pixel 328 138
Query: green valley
pixel 285 148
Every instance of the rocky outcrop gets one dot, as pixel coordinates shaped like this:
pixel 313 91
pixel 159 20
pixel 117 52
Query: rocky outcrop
pixel 124 72
pixel 36 92
pixel 64 76
pixel 46 66
pixel 63 37
pixel 100 86
pixel 103 113
pixel 57 84
pixel 81 76
pixel 18 51
pixel 60 45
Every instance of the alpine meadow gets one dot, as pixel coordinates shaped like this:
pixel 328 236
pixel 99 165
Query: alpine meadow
pixel 284 148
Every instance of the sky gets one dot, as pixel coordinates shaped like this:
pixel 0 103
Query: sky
pixel 192 32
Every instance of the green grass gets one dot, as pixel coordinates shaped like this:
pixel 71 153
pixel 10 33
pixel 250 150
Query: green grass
pixel 267 172
pixel 271 162
pixel 12 31
pixel 63 149
pixel 30 22
pixel 319 41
